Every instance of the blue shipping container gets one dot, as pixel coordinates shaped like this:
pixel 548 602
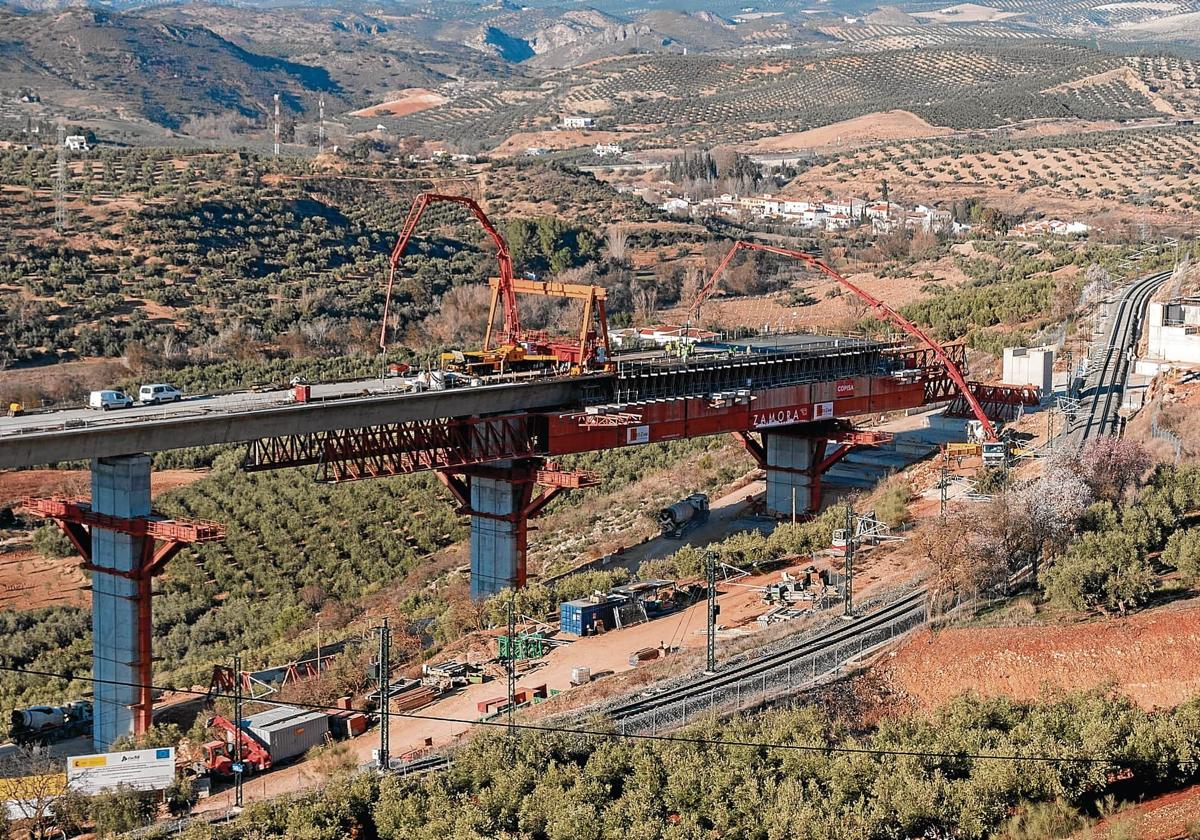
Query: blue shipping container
pixel 582 617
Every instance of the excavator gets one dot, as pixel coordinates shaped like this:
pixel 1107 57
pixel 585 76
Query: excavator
pixel 512 348
pixel 994 450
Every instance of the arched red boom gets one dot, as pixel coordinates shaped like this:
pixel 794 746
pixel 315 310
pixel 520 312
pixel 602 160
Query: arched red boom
pixel 872 301
pixel 512 318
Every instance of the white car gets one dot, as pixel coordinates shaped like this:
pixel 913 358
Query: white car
pixel 159 393
pixel 104 400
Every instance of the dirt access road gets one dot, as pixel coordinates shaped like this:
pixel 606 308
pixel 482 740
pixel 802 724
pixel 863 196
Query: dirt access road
pixel 722 513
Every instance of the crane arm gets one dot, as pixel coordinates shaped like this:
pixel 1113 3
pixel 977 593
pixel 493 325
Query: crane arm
pixel 512 318
pixel 875 303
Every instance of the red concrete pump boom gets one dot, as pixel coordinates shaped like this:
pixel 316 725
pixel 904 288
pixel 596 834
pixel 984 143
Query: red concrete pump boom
pixel 512 318
pixel 875 303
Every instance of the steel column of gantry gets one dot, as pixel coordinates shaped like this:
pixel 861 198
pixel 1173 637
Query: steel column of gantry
pixel 120 488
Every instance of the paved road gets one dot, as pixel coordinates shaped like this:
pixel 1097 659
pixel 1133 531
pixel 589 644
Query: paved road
pixel 81 433
pixel 195 406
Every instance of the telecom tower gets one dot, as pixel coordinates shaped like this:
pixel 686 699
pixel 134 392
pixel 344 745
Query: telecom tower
pixel 321 128
pixel 60 181
pixel 277 125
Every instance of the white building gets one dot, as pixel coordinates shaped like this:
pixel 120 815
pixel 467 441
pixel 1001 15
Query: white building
pixel 1173 330
pixel 1029 366
pixel 76 143
pixel 1050 227
pixel 676 205
pixel 603 150
pixel 664 334
pixel 578 122
pixel 535 151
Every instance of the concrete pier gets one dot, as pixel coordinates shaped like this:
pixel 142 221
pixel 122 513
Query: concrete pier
pixel 789 463
pixel 498 534
pixel 120 487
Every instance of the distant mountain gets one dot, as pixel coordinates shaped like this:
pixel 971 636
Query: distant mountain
pixel 106 61
pixel 697 31
pixel 368 53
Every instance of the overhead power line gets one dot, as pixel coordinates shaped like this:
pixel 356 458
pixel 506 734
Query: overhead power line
pixel 827 749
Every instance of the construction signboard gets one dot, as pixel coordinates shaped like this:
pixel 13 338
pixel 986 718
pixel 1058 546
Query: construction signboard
pixel 141 769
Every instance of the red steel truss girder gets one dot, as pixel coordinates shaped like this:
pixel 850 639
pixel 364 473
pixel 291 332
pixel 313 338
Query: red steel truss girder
pixel 1009 394
pixel 1001 402
pixel 453 443
pixel 403 448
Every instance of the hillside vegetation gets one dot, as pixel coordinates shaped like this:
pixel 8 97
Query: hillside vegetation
pixel 799 773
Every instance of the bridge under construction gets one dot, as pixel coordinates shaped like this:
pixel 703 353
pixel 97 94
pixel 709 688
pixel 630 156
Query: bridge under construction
pixel 790 399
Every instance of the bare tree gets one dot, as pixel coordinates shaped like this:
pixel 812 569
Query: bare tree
pixel 693 282
pixel 35 783
pixel 645 304
pixel 616 241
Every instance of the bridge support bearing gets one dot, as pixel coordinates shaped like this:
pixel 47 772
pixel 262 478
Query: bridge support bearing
pixel 121 619
pixel 500 498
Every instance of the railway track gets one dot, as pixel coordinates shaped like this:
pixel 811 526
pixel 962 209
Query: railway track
pixel 827 640
pixel 1101 408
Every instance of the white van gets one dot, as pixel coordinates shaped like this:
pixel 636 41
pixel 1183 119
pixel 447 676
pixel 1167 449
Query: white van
pixel 155 394
pixel 104 400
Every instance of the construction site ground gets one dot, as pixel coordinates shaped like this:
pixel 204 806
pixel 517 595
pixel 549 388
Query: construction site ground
pixel 1149 657
pixel 445 721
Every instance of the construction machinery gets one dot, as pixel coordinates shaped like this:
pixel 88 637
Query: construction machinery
pixel 217 756
pixel 681 517
pixel 512 348
pixel 879 307
pixel 46 724
pixel 273 736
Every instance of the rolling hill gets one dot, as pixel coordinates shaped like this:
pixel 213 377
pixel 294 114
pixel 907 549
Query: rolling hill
pixel 96 62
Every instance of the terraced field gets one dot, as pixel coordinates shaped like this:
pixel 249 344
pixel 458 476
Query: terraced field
pixel 1111 171
pixel 672 100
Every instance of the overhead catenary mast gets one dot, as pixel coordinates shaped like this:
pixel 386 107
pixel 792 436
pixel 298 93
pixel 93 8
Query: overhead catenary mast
pixel 321 127
pixel 60 181
pixel 277 125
